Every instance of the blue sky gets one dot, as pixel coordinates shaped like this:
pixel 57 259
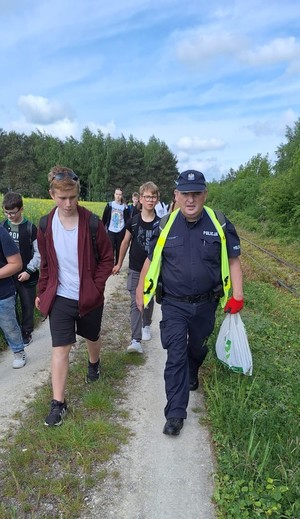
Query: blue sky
pixel 217 81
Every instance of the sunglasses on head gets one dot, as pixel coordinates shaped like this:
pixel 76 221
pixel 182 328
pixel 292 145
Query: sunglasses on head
pixel 60 175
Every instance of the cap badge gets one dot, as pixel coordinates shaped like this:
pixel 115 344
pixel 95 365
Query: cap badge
pixel 191 176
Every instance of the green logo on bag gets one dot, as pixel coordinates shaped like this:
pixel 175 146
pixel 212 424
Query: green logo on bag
pixel 228 348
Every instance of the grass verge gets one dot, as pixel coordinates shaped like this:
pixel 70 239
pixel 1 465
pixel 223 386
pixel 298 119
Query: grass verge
pixel 47 472
pixel 255 420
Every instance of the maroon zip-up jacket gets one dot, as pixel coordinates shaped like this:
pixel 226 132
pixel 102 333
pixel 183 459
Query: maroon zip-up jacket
pixel 92 275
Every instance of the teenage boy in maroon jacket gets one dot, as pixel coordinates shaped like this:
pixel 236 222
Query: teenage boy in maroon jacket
pixel 72 282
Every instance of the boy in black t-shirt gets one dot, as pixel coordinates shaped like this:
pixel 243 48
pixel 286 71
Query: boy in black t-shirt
pixel 139 230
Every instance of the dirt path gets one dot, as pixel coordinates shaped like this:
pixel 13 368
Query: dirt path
pixel 158 477
pixel 18 386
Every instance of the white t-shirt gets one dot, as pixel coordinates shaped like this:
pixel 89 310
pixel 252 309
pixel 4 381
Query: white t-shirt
pixel 66 248
pixel 161 209
pixel 117 222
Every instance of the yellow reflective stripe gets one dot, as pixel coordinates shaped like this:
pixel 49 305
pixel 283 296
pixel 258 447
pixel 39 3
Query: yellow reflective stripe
pixel 152 275
pixel 225 272
pixel 161 241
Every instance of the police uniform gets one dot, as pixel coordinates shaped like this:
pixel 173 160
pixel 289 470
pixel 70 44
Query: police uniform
pixel 191 288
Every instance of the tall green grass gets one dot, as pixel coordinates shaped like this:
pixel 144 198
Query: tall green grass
pixel 255 420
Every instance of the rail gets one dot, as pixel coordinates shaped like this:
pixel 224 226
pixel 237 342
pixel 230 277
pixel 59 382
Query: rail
pixel 275 279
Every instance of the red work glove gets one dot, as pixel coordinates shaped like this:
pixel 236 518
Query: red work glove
pixel 233 306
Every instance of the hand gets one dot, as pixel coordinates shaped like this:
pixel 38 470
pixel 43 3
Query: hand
pixel 233 306
pixel 139 299
pixel 116 270
pixel 37 303
pixel 23 276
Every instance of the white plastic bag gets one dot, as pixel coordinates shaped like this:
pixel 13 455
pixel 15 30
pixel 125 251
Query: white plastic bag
pixel 232 346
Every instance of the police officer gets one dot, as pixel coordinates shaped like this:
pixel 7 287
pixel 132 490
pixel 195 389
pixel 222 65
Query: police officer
pixel 193 281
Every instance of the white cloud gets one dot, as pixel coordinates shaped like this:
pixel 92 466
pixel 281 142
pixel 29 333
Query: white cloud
pixel 109 127
pixel 198 45
pixel 209 166
pixel 39 110
pixel 278 50
pixel 61 129
pixel 196 145
pixel 275 126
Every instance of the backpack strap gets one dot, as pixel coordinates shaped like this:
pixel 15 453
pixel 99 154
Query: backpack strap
pixel 221 218
pixel 163 221
pixel 43 223
pixel 29 231
pixel 134 224
pixel 93 223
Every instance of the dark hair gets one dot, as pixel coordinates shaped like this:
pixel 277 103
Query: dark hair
pixel 12 200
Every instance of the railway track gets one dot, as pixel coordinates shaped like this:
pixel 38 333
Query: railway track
pixel 270 266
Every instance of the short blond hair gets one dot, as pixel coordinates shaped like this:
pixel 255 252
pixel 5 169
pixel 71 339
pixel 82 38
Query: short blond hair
pixel 149 186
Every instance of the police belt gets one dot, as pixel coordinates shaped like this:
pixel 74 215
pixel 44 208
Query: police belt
pixel 191 299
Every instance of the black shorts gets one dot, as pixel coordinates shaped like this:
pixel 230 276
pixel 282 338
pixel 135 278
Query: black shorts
pixel 65 322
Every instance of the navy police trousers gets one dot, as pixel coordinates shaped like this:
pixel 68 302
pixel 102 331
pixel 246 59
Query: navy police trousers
pixel 184 330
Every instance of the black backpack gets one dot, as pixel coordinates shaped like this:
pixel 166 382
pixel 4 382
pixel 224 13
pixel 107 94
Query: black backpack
pixel 93 224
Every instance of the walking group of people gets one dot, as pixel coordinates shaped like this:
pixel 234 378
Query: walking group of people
pixel 188 253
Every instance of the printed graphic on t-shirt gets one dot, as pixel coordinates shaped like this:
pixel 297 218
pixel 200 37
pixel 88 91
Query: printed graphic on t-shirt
pixel 143 238
pixel 117 220
pixel 14 232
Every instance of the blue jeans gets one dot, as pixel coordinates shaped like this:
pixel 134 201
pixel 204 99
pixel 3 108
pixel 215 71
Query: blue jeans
pixel 9 324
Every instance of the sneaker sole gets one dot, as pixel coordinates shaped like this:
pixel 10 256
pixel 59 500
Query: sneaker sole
pixel 53 425
pixel 63 414
pixel 19 367
pixel 133 350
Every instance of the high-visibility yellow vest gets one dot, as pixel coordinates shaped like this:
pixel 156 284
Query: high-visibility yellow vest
pixel 152 275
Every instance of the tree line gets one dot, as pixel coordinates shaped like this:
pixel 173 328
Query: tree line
pixel 259 195
pixel 101 162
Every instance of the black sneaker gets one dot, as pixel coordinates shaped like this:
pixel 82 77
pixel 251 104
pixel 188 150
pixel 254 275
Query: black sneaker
pixel 93 373
pixel 57 412
pixel 27 338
